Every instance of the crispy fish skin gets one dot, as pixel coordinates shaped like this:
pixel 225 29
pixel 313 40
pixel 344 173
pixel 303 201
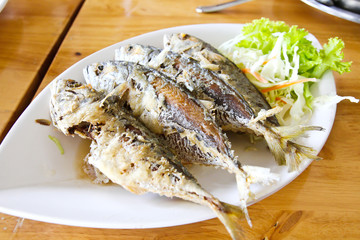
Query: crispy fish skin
pixel 127 152
pixel 209 57
pixel 169 111
pixel 231 110
pixel 164 109
pixel 286 152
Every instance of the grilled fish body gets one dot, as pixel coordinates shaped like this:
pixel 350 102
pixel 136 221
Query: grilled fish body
pixel 165 109
pixel 230 110
pixel 229 107
pixel 127 152
pixel 169 111
pixel 210 58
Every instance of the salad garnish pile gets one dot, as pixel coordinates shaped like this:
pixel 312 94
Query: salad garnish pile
pixel 283 64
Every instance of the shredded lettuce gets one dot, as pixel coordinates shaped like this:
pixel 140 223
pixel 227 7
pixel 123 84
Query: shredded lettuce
pixel 262 34
pixel 327 100
pixel 283 64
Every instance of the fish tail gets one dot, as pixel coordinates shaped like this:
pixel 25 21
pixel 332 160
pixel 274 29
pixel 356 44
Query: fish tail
pixel 290 132
pixel 287 152
pixel 298 153
pixel 231 217
pixel 250 175
pixel 245 194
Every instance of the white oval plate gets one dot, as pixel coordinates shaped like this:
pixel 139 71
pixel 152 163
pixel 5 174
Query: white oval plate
pixel 37 182
pixel 2 4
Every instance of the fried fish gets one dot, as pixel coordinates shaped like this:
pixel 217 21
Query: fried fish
pixel 229 107
pixel 209 57
pixel 126 152
pixel 171 112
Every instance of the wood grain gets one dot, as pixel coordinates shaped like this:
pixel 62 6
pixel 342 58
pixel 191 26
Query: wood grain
pixel 322 203
pixel 29 37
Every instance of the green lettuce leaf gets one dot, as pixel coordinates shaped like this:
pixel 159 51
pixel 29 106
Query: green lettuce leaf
pixel 331 58
pixel 262 34
pixel 307 95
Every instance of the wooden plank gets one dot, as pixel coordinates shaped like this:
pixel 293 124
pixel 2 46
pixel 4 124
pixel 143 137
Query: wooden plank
pixel 30 34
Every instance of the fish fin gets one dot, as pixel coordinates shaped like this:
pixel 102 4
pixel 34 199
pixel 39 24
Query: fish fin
pixel 263 114
pixel 159 59
pixel 287 152
pixel 230 216
pixel 260 175
pixel 119 92
pixel 245 194
pixel 297 154
pixel 291 132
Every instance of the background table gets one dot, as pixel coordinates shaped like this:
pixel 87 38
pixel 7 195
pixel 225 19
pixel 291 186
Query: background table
pixel 322 203
pixel 30 35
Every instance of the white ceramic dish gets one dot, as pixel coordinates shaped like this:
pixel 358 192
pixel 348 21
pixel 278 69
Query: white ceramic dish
pixel 37 182
pixel 2 4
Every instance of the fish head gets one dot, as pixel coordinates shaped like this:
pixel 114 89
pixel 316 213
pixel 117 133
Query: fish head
pixel 181 43
pixel 105 75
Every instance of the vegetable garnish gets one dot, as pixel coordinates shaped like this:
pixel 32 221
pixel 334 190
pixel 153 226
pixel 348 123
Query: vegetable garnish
pixel 283 64
pixel 58 144
pixel 255 74
pixel 288 84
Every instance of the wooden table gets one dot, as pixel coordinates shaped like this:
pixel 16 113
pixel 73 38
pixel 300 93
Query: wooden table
pixel 30 35
pixel 322 203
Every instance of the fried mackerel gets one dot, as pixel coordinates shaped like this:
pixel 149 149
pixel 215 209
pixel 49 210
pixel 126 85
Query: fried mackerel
pixel 231 110
pixel 169 111
pixel 127 152
pixel 209 57
pixel 165 109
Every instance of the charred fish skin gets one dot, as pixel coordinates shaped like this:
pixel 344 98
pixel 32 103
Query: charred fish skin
pixel 128 153
pixel 170 111
pixel 209 57
pixel 232 112
pixel 286 152
pixel 229 109
pixel 165 109
pixel 78 109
